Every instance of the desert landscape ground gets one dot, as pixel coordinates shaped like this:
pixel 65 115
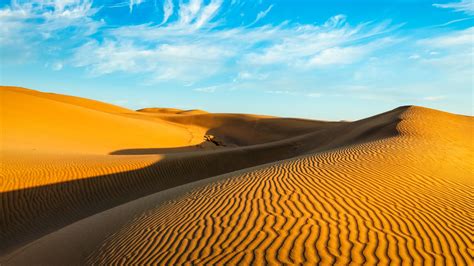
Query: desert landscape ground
pixel 85 182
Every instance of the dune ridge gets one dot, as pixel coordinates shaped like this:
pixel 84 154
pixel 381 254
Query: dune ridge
pixel 393 188
pixel 61 164
pixel 303 211
pixel 48 123
pixel 171 111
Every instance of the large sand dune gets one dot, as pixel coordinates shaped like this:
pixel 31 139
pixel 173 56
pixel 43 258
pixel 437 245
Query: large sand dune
pixel 87 182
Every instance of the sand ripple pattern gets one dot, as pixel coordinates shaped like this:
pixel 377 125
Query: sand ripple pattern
pixel 383 202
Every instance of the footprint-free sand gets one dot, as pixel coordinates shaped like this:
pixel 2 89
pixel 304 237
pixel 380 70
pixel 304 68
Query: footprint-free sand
pixel 84 182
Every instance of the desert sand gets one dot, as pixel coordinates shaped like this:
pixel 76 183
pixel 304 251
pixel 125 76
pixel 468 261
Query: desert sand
pixel 85 182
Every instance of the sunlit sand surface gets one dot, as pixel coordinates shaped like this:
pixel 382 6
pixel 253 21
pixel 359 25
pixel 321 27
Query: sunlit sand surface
pixel 84 182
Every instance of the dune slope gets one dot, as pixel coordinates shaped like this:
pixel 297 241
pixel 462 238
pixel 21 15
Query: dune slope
pixel 48 123
pixel 394 188
pixel 59 165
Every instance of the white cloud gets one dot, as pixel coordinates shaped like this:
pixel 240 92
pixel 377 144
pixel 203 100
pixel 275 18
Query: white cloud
pixel 48 9
pixel 280 92
pixel 452 40
pixel 451 53
pixel 210 89
pixel 187 53
pixel 434 98
pixel 247 75
pixel 338 56
pixel 185 50
pixel 119 5
pixel 208 12
pixel 192 46
pixel 453 22
pixel 315 46
pixel 35 28
pixel 262 14
pixel 184 62
pixel 57 66
pixel 314 95
pixel 168 9
pixel 466 6
pixel 134 3
pixel 188 11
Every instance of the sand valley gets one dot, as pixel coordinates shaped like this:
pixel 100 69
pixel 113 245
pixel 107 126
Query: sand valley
pixel 86 182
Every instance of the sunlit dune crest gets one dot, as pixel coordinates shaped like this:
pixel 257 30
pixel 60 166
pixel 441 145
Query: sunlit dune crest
pixel 105 184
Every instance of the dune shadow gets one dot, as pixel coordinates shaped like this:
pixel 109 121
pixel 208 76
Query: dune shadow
pixel 145 151
pixel 28 214
pixel 207 145
pixel 236 133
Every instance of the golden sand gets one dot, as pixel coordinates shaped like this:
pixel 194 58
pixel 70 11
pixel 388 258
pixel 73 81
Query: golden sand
pixel 395 188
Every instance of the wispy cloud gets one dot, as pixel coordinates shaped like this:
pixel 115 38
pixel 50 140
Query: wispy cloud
pixel 434 98
pixel 133 3
pixel 27 26
pixel 184 62
pixel 314 95
pixel 57 66
pixel 191 49
pixel 119 5
pixel 453 22
pixel 168 9
pixel 281 92
pixel 262 14
pixel 197 13
pixel 452 54
pixel 192 43
pixel 451 40
pixel 210 89
pixel 465 6
pixel 45 10
pixel 187 47
pixel 338 55
pixel 208 12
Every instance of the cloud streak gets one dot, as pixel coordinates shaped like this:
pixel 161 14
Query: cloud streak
pixel 262 14
pixel 192 46
pixel 133 3
pixel 183 51
pixel 465 6
pixel 32 29
pixel 168 9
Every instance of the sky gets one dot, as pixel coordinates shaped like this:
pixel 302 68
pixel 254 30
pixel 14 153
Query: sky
pixel 327 59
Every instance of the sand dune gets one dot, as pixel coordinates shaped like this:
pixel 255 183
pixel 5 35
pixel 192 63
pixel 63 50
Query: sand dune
pixel 47 123
pixel 59 155
pixel 172 111
pixel 393 188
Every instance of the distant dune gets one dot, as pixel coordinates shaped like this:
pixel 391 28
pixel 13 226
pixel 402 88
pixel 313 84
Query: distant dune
pixel 84 182
pixel 172 111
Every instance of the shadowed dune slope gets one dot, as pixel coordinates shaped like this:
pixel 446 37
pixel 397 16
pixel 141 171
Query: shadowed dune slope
pixel 244 130
pixel 59 184
pixel 157 110
pixel 50 138
pixel 54 123
pixel 56 166
pixel 394 188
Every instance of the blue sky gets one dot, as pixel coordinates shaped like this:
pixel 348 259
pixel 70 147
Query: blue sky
pixel 331 59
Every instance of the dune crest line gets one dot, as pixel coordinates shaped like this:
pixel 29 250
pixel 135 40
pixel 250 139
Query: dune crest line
pixel 374 203
pixel 394 188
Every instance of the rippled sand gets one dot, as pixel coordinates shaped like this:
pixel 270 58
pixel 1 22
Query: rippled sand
pixel 393 188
